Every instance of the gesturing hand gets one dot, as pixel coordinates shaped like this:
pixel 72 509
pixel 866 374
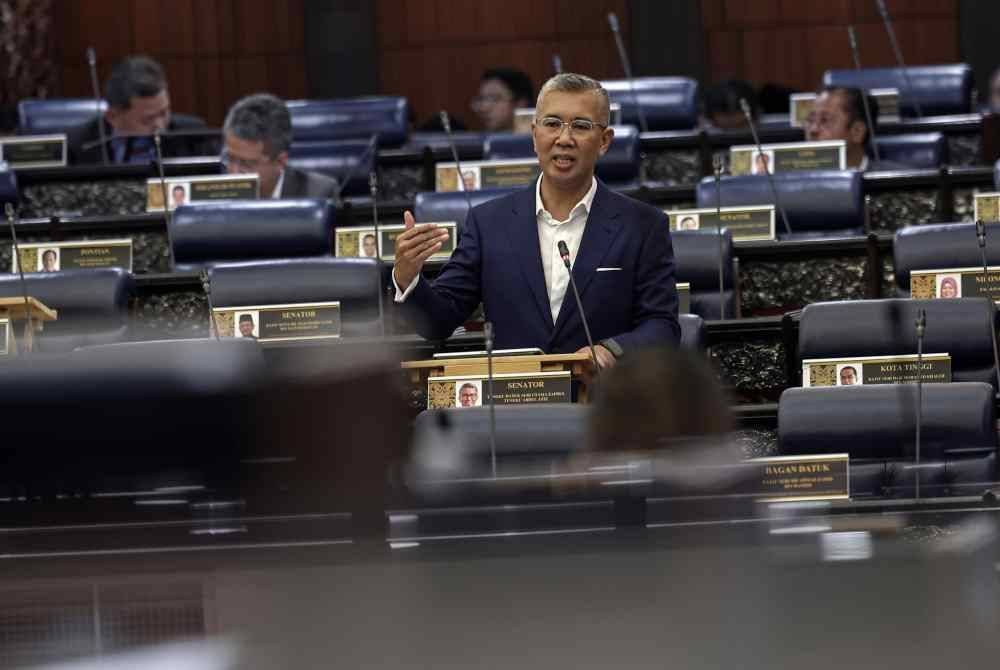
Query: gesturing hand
pixel 414 246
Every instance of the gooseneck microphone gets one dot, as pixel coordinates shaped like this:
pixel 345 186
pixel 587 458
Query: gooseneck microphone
pixel 717 168
pixel 163 188
pixel 446 124
pixel 745 106
pixel 864 93
pixel 11 216
pixel 990 309
pixel 373 189
pixel 627 67
pixel 342 184
pixel 488 336
pixel 206 286
pixel 921 325
pixel 564 253
pixel 96 90
pixel 898 53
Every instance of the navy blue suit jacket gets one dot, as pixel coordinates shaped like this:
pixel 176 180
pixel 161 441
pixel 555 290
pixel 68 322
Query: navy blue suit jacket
pixel 498 262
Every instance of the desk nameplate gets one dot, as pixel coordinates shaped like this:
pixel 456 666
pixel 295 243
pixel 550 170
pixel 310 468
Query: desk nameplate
pixel 788 157
pixel 862 370
pixel 34 151
pixel 359 241
pixel 5 349
pixel 83 254
pixel 886 99
pixel 280 323
pixel 508 389
pixel 185 190
pixel 743 223
pixel 956 283
pixel 478 175
pixel 802 478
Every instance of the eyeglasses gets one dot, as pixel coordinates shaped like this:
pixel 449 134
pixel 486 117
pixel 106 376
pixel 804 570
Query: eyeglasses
pixel 489 100
pixel 554 125
pixel 242 165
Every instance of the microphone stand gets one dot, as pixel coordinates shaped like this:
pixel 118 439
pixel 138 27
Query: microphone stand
pixel 488 335
pixel 921 325
pixel 446 124
pixel 623 57
pixel 373 189
pixel 899 54
pixel 864 94
pixel 341 185
pixel 96 90
pixel 207 287
pixel 990 308
pixel 167 217
pixel 717 165
pixel 28 335
pixel 745 106
pixel 564 252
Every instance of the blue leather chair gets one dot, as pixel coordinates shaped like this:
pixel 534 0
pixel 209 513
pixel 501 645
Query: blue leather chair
pixel 939 246
pixel 919 150
pixel 239 230
pixel 819 203
pixel 341 159
pixel 430 206
pixel 92 306
pixel 351 118
pixel 55 115
pixel 697 255
pixel 619 168
pixel 876 426
pixel 692 332
pixel 352 281
pixel 939 89
pixel 669 103
pixel 959 327
pixel 8 189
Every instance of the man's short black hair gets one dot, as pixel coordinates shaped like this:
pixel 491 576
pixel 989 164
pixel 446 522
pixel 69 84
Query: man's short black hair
pixel 47 252
pixel 854 105
pixel 246 318
pixel 134 77
pixel 724 97
pixel 517 81
pixel 178 187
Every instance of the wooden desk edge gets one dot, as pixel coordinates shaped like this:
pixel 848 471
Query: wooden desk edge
pixel 544 358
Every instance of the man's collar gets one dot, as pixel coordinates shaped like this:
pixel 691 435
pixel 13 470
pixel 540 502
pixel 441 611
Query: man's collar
pixel 587 202
pixel 276 193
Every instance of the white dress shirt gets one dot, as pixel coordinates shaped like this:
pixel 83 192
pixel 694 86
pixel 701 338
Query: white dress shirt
pixel 276 193
pixel 550 233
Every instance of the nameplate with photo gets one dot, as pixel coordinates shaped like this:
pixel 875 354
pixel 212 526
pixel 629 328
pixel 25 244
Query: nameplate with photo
pixel 34 151
pixel 986 207
pixel 525 116
pixel 956 283
pixel 81 255
pixel 788 157
pixel 800 105
pixel 508 173
pixel 280 323
pixel 508 389
pixel 359 241
pixel 863 370
pixel 745 224
pixel 684 297
pixel 5 337
pixel 185 190
pixel 802 478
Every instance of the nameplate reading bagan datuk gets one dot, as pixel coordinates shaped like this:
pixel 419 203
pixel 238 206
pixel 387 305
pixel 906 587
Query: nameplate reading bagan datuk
pixel 887 99
pixel 986 207
pixel 801 478
pixel 280 323
pixel 487 174
pixel 956 283
pixel 359 241
pixel 875 370
pixel 508 389
pixel 788 157
pixel 82 255
pixel 684 297
pixel 745 224
pixel 34 151
pixel 525 116
pixel 4 337
pixel 184 190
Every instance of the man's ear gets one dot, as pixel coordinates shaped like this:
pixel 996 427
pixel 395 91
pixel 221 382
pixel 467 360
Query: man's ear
pixel 282 159
pixel 607 135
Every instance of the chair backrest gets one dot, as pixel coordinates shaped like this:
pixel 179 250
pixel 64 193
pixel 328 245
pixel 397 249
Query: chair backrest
pixel 92 305
pixel 937 247
pixel 920 150
pixel 668 103
pixel 697 255
pixel 351 118
pixel 452 205
pixel 55 115
pixel 342 159
pixel 819 203
pixel 468 143
pixel 352 281
pixel 939 89
pixel 8 189
pixel 959 327
pixel 242 230
pixel 692 332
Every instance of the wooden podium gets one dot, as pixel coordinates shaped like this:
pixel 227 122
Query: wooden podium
pixel 579 366
pixel 34 315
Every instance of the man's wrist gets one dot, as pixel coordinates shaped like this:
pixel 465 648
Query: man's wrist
pixel 613 347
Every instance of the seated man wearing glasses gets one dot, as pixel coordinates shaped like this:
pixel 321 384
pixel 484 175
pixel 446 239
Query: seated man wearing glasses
pixel 508 255
pixel 501 91
pixel 257 135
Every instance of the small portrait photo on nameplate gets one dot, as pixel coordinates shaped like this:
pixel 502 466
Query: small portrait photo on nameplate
pixel 683 297
pixel 745 224
pixel 788 157
pixel 5 338
pixel 184 190
pixel 84 254
pixel 355 242
pixel 508 389
pixel 956 283
pixel 986 207
pixel 33 151
pixel 280 323
pixel 865 370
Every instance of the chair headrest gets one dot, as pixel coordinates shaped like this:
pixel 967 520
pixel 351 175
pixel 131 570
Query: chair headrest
pixel 239 230
pixel 357 118
pixel 8 189
pixel 921 150
pixel 939 89
pixel 620 164
pixel 818 203
pixel 697 254
pixel 692 332
pixel 336 158
pixel 668 103
pixel 939 246
pixel 878 421
pixel 55 115
pixel 452 205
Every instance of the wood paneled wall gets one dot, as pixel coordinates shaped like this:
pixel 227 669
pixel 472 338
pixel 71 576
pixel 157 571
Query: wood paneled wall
pixel 434 51
pixel 214 51
pixel 792 42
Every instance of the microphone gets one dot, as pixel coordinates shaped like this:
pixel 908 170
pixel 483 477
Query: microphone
pixel 373 188
pixel 564 252
pixel 207 287
pixel 163 188
pixel 745 106
pixel 864 94
pixel 557 63
pixel 11 214
pixel 921 325
pixel 488 335
pixel 717 165
pixel 981 239
pixel 899 54
pixel 96 90
pixel 342 184
pixel 627 67
pixel 446 124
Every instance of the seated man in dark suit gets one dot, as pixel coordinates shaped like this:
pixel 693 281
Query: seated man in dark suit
pixel 138 107
pixel 839 114
pixel 257 134
pixel 508 255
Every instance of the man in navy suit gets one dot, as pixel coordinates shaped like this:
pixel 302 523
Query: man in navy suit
pixel 508 256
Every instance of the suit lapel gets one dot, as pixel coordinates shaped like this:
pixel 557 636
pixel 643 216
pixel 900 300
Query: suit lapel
pixel 524 239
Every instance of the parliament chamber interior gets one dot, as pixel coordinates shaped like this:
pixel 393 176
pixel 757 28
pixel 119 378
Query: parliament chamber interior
pixel 717 387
